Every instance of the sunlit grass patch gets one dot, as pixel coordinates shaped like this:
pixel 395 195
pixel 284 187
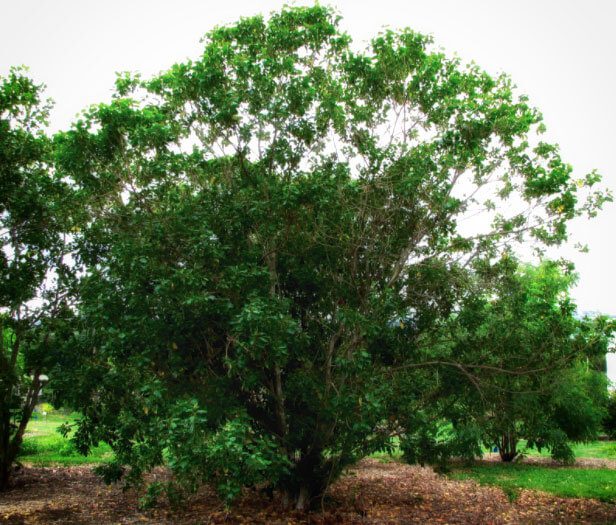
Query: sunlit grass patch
pixel 561 481
pixel 43 445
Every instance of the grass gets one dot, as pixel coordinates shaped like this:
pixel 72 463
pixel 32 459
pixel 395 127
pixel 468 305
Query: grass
pixel 592 449
pixel 561 481
pixel 44 446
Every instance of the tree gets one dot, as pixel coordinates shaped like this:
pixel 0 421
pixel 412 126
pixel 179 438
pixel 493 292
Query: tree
pixel 530 362
pixel 260 219
pixel 30 226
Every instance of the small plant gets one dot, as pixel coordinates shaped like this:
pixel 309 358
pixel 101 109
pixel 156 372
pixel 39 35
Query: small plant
pixel 151 496
pixel 28 448
pixel 68 449
pixel 110 472
pixel 512 493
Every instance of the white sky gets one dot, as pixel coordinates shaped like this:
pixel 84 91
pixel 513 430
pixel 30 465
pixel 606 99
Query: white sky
pixel 560 53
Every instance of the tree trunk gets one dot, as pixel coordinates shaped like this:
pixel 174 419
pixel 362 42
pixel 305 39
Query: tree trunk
pixel 5 472
pixel 11 444
pixel 303 498
pixel 307 483
pixel 6 459
pixel 5 442
pixel 508 449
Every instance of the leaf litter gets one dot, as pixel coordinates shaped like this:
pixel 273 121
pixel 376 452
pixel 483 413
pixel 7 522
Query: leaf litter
pixel 372 492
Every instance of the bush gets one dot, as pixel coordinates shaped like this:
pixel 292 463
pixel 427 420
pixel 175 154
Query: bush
pixel 437 446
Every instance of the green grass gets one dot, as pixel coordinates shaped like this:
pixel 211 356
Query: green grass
pixel 386 457
pixel 592 449
pixel 43 445
pixel 561 481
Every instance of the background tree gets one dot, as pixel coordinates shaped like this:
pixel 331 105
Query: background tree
pixel 525 370
pixel 30 226
pixel 260 220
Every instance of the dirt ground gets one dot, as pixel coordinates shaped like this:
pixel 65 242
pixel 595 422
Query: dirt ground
pixel 372 493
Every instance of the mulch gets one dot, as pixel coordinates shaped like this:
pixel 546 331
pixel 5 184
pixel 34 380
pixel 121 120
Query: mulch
pixel 372 493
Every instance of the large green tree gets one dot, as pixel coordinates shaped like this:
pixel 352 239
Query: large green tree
pixel 31 258
pixel 272 228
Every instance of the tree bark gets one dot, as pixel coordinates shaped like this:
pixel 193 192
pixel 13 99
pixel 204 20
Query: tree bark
pixel 303 499
pixel 10 445
pixel 307 482
pixel 5 472
pixel 5 441
pixel 508 449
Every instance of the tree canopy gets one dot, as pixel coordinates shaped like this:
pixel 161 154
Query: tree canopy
pixel 269 234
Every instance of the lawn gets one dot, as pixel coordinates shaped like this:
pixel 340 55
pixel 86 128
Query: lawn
pixel 592 449
pixel 43 445
pixel 561 481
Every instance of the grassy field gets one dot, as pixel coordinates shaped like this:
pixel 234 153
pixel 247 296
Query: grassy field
pixel 44 445
pixel 592 449
pixel 561 481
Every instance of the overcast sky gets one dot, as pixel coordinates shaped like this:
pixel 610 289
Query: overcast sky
pixel 559 53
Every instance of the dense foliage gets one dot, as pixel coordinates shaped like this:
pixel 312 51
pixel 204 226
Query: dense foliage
pixel 523 368
pixel 31 246
pixel 609 421
pixel 271 234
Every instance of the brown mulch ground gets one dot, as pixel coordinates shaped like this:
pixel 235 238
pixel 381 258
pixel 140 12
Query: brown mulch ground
pixel 373 493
